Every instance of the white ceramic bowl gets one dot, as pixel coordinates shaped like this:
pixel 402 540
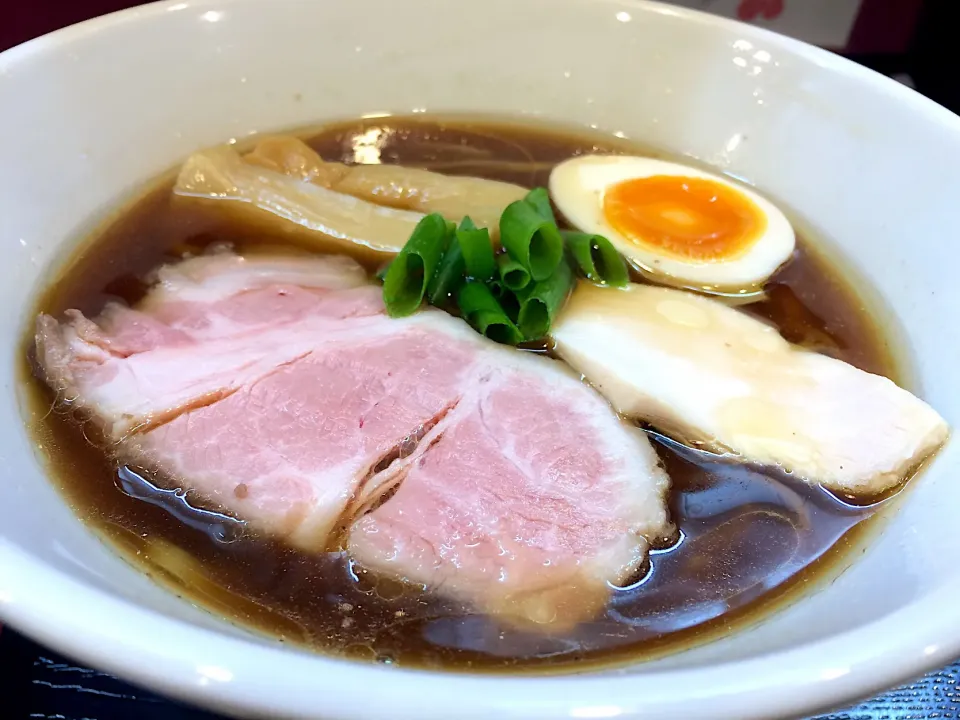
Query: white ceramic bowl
pixel 91 112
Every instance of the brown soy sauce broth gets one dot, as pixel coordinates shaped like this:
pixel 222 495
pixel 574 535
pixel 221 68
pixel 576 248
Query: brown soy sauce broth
pixel 747 536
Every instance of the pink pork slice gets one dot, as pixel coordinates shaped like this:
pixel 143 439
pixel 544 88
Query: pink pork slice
pixel 278 389
pixel 527 499
pixel 271 400
pixel 204 331
pixel 290 450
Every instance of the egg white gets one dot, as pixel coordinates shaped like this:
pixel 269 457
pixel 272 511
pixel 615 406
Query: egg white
pixel 578 185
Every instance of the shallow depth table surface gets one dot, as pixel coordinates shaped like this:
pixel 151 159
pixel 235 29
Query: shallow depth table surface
pixel 36 684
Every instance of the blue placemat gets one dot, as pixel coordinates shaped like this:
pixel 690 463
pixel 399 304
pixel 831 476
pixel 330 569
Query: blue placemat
pixel 37 684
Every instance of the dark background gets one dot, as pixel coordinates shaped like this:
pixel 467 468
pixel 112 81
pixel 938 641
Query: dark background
pixel 37 684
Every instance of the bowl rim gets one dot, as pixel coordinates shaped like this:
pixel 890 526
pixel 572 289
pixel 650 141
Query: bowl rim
pixel 806 678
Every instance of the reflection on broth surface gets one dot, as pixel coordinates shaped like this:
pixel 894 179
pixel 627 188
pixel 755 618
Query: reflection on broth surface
pixel 745 533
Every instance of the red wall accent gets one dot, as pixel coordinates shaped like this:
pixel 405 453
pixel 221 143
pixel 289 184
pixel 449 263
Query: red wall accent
pixel 884 26
pixel 26 19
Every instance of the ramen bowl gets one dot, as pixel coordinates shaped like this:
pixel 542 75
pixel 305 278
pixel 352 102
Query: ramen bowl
pixel 93 112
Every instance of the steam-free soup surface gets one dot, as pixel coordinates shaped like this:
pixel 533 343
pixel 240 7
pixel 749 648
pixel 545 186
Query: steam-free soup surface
pixel 746 535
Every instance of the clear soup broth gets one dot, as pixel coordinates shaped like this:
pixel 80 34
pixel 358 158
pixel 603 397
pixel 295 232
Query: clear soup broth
pixel 748 537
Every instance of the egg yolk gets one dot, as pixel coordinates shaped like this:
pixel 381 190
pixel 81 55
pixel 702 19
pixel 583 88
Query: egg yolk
pixel 688 218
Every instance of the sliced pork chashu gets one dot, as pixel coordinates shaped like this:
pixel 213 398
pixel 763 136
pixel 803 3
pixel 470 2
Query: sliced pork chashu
pixel 285 395
pixel 528 498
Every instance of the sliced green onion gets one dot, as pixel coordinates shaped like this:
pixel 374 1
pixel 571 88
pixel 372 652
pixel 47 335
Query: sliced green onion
pixel 513 275
pixel 540 199
pixel 448 278
pixel 475 297
pixel 477 250
pixel 506 297
pixel 498 289
pixel 496 326
pixel 597 259
pixel 405 283
pixel 531 239
pixel 382 272
pixel 540 304
pixel 485 314
pixel 510 297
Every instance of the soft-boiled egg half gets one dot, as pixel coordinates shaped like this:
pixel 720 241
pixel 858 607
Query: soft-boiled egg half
pixel 679 224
